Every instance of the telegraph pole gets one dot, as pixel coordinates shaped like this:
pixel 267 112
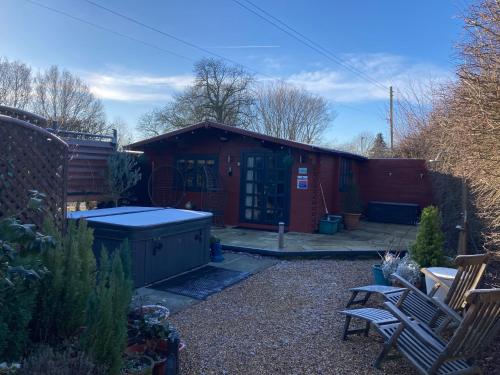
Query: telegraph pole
pixel 391 118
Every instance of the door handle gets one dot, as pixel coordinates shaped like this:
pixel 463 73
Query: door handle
pixel 157 246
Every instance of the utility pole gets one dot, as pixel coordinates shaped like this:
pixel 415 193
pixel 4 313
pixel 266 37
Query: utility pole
pixel 391 118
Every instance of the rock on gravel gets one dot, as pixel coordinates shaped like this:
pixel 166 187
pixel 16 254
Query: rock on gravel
pixel 283 320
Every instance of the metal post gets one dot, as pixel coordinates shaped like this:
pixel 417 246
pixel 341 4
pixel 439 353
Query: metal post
pixel 281 235
pixel 391 118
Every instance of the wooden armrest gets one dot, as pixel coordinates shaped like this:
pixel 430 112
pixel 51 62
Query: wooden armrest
pixel 412 326
pixel 438 304
pixel 407 284
pixel 434 278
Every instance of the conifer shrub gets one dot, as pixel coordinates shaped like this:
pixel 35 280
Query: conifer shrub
pixel 106 332
pixel 64 292
pixel 427 250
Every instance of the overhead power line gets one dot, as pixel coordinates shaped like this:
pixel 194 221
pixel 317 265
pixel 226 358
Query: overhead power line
pixel 297 35
pixel 143 42
pixel 103 28
pixel 168 35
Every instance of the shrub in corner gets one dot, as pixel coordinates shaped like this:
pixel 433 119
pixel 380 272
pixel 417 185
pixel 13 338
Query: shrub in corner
pixel 427 250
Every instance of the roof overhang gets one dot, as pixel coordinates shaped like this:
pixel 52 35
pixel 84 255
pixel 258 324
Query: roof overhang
pixel 144 144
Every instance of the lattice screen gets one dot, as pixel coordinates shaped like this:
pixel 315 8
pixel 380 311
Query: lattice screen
pixel 31 158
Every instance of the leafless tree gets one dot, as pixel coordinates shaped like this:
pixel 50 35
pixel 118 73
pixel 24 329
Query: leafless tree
pixel 461 129
pixel 290 112
pixel 220 93
pixel 125 135
pixel 63 97
pixel 360 144
pixel 15 83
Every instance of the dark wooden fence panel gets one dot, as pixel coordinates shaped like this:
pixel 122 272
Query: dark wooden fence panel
pixel 396 180
pixel 87 168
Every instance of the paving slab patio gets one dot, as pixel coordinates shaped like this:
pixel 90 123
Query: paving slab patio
pixel 368 239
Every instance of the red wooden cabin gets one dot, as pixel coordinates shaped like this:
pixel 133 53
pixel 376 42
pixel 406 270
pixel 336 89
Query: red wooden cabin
pixel 255 181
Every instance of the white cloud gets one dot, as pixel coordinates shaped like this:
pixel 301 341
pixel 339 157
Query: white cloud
pixel 127 86
pixel 345 86
pixel 331 81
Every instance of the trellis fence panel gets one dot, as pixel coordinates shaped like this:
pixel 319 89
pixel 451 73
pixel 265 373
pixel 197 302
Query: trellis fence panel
pixel 31 158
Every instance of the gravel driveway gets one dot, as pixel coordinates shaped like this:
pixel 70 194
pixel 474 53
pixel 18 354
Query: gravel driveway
pixel 283 320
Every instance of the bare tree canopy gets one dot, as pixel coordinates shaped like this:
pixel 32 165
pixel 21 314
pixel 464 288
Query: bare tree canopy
pixel 220 93
pixel 360 144
pixel 290 112
pixel 15 83
pixel 460 127
pixel 63 97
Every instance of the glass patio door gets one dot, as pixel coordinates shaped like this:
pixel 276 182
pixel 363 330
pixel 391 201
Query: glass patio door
pixel 265 188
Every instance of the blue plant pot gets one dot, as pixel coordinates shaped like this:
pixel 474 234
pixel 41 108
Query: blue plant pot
pixel 378 275
pixel 216 255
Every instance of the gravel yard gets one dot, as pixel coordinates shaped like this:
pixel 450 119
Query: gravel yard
pixel 283 320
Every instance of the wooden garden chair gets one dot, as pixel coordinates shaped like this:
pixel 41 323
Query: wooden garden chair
pixel 470 271
pixel 432 355
pixel 412 302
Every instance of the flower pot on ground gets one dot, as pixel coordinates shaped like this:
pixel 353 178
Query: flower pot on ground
pixel 137 365
pixel 351 221
pixel 378 275
pixel 215 250
pixel 352 206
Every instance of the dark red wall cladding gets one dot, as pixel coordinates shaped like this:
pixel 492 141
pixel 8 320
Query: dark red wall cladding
pixel 396 180
pixel 384 180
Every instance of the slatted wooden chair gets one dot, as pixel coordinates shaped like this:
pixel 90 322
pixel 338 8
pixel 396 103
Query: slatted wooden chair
pixel 432 355
pixel 412 302
pixel 470 272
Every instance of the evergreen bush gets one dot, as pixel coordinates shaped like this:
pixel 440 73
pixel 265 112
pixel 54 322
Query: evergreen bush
pixel 427 250
pixel 65 291
pixel 106 333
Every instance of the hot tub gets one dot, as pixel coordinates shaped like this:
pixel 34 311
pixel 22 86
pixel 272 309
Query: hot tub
pixel 163 241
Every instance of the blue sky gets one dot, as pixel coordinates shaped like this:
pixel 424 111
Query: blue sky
pixel 394 42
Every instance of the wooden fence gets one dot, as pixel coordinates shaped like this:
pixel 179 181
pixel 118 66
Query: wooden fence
pixel 86 156
pixel 87 164
pixel 31 159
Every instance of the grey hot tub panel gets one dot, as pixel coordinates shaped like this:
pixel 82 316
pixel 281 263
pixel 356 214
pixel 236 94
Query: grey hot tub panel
pixel 163 242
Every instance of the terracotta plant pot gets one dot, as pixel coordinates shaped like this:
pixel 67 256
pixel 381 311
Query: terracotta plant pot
pixel 351 221
pixel 136 349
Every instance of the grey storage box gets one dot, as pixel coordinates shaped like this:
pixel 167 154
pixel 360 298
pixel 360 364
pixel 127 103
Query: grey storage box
pixel 163 242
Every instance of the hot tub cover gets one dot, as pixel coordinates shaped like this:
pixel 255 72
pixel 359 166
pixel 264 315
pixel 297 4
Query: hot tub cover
pixel 151 218
pixel 110 211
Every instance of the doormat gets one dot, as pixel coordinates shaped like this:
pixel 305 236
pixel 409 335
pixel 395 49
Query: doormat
pixel 202 282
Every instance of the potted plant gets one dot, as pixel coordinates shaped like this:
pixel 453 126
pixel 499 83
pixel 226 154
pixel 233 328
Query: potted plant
pixel 383 271
pixel 152 314
pixel 137 365
pixel 352 206
pixel 392 263
pixel 215 249
pixel 427 250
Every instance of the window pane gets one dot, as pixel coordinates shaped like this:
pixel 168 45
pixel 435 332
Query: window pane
pixel 248 214
pixel 256 214
pixel 249 188
pixel 250 162
pixel 249 175
pixel 248 201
